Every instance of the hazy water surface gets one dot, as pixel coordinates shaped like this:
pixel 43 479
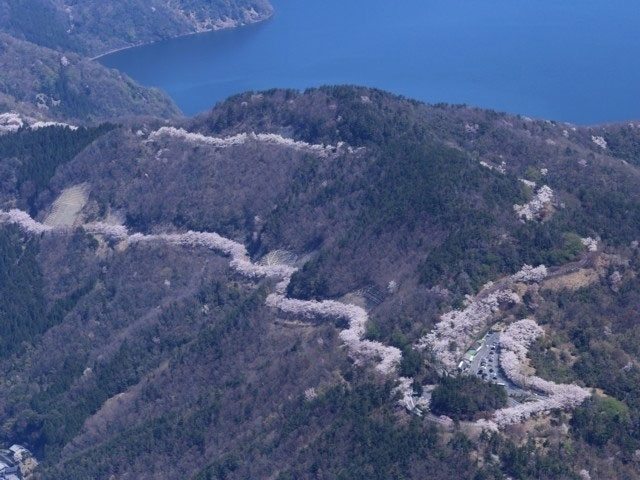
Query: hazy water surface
pixel 571 60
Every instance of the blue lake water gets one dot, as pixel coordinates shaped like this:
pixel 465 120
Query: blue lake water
pixel 569 60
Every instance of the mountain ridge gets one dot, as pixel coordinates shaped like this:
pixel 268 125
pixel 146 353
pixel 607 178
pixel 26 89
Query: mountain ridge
pixel 166 360
pixel 92 29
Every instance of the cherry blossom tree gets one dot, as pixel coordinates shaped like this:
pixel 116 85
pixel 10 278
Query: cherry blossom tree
pixel 514 344
pixel 458 329
pixel 242 138
pixel 536 207
pixel 24 221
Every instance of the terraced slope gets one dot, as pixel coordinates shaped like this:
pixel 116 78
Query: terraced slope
pixel 67 207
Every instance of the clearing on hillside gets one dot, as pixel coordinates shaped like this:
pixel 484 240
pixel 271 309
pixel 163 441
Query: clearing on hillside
pixel 67 207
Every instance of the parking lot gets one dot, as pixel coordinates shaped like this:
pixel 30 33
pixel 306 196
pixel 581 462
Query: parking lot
pixel 486 365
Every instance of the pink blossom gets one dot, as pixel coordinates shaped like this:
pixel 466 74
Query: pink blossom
pixel 514 343
pixel 242 138
pixel 24 221
pixel 535 208
pixel 387 358
pixel 458 329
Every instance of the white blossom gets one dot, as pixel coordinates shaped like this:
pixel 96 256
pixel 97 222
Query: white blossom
pixel 590 244
pixel 408 398
pixel 108 230
pixel 180 133
pixel 585 475
pixel 39 125
pixel 535 208
pixel 529 274
pixel 10 122
pixel 242 138
pixel 615 279
pixel 528 183
pixel 387 357
pixel 310 394
pixel 599 141
pixel 459 326
pixel 502 168
pixel 471 128
pixel 458 329
pixel 514 343
pixel 24 221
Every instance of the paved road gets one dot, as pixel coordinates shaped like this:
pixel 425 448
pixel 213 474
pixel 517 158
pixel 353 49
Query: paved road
pixel 489 357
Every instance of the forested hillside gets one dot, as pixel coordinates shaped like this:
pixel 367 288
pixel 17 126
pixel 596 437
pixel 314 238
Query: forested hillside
pixel 93 27
pixel 42 83
pixel 45 45
pixel 272 290
pixel 31 157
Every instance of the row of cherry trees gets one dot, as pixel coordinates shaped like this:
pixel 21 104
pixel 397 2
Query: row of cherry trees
pixel 514 344
pixel 386 357
pixel 242 138
pixel 458 329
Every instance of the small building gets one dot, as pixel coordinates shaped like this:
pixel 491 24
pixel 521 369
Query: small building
pixel 463 366
pixel 19 452
pixel 10 472
pixel 470 355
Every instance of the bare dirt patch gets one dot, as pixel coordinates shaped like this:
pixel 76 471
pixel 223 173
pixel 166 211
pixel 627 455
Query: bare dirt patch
pixel 573 281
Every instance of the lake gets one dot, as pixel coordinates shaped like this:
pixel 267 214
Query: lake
pixel 568 60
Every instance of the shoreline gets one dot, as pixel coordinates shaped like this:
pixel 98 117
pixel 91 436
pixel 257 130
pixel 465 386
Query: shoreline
pixel 142 44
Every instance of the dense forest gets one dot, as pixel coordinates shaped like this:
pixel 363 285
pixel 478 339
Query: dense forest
pixel 88 28
pixel 30 158
pixel 45 84
pixel 464 397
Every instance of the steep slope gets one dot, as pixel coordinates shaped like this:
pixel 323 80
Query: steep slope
pixel 92 27
pixel 44 84
pixel 158 357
